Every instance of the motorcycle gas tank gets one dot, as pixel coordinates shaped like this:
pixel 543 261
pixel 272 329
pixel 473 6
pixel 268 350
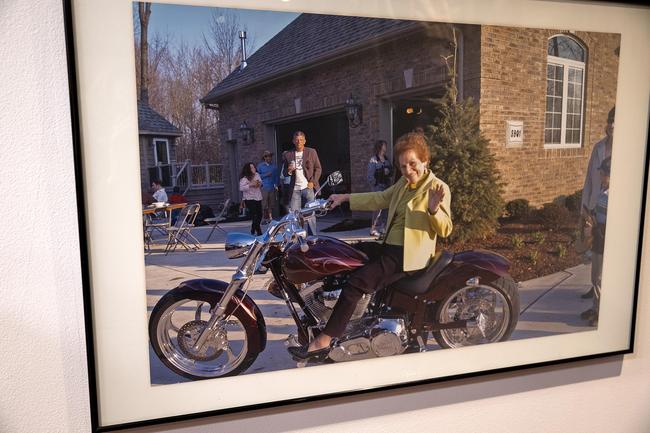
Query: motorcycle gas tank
pixel 326 256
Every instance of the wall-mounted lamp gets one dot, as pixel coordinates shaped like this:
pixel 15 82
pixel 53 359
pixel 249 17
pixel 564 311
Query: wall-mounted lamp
pixel 247 133
pixel 414 110
pixel 353 110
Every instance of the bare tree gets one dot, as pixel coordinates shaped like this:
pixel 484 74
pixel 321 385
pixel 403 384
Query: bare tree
pixel 222 43
pixel 144 12
pixel 175 77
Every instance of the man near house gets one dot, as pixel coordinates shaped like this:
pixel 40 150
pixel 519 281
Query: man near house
pixel 159 192
pixel 269 174
pixel 303 169
pixel 592 186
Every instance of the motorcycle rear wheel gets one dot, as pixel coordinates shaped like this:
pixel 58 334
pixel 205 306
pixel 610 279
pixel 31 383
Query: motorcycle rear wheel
pixel 176 322
pixel 492 310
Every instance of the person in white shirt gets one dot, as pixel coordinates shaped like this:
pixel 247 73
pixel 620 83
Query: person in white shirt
pixel 301 168
pixel 250 185
pixel 159 193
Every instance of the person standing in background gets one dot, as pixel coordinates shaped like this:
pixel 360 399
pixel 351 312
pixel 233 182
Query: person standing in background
pixel 250 184
pixel 598 222
pixel 593 184
pixel 269 174
pixel 379 174
pixel 303 169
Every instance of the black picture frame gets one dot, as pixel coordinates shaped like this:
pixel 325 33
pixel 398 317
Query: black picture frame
pixel 93 252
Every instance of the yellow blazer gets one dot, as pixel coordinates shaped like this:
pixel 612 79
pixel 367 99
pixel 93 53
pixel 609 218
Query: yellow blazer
pixel 420 228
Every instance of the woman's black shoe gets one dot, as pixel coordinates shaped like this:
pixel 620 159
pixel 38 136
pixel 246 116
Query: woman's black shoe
pixel 301 353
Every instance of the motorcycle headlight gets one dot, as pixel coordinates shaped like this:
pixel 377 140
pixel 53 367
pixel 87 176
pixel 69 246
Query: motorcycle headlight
pixel 238 244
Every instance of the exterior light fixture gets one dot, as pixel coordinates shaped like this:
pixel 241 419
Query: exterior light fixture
pixel 412 110
pixel 247 135
pixel 353 110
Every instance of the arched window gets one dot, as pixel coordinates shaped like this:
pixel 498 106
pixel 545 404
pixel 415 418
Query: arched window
pixel 565 83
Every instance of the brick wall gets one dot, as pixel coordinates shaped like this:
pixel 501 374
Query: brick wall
pixel 373 75
pixel 513 87
pixel 503 67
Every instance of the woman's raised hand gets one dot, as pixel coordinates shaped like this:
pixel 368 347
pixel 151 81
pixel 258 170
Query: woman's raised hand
pixel 436 194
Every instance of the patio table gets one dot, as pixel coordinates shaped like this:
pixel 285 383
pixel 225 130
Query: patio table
pixel 151 210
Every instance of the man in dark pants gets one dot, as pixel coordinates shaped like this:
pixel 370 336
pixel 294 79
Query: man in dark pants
pixel 592 186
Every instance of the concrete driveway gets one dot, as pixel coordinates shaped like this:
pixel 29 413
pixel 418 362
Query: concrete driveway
pixel 549 305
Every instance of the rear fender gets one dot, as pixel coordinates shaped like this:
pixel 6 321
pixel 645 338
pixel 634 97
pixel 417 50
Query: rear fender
pixel 485 265
pixel 212 291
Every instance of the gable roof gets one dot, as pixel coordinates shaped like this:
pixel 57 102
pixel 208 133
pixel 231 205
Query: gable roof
pixel 150 122
pixel 308 40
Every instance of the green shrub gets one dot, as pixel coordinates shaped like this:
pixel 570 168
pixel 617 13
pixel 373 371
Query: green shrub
pixel 517 242
pixel 561 250
pixel 573 201
pixel 539 237
pixel 518 208
pixel 532 256
pixel 553 216
pixel 575 235
pixel 460 157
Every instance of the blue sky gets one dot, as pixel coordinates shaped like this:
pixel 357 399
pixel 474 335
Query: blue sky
pixel 187 23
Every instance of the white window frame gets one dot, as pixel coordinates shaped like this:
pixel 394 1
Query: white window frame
pixel 155 150
pixel 566 63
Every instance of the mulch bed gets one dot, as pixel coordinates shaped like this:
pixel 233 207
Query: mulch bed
pixel 533 250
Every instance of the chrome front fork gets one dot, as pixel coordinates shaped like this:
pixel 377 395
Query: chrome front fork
pixel 239 280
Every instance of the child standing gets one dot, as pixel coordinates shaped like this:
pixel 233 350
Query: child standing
pixel 598 223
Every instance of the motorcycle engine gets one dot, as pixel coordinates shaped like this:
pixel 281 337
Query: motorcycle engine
pixel 321 297
pixel 374 338
pixel 364 337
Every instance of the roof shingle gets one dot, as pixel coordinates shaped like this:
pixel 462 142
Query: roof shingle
pixel 310 38
pixel 151 122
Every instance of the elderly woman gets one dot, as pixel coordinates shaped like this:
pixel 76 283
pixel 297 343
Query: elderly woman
pixel 418 212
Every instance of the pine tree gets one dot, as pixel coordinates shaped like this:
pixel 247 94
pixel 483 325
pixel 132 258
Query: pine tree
pixel 460 157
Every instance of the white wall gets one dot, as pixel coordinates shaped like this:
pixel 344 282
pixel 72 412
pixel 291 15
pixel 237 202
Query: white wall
pixel 43 376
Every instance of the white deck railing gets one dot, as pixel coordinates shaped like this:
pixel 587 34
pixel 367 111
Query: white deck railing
pixel 188 176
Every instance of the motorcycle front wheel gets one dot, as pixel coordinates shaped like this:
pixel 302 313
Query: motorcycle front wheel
pixel 176 323
pixel 491 311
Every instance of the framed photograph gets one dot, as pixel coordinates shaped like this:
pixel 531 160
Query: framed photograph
pixel 216 142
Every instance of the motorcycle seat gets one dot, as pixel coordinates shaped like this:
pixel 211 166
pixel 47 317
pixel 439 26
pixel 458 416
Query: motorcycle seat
pixel 419 282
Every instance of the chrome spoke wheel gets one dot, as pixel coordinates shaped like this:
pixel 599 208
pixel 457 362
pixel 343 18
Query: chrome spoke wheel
pixel 178 330
pixel 486 311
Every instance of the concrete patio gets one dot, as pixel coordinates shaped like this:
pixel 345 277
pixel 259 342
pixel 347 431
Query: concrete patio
pixel 550 305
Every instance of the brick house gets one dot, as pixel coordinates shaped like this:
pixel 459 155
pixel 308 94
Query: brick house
pixel 549 89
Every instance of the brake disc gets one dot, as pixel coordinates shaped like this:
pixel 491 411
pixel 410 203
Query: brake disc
pixel 213 347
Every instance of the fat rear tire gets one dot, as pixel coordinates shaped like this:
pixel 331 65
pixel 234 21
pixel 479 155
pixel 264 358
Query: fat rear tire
pixel 503 288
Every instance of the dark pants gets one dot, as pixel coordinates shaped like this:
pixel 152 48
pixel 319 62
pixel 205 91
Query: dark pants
pixel 255 211
pixel 384 268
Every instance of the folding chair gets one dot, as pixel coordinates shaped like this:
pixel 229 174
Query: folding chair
pixel 159 222
pixel 220 217
pixel 180 232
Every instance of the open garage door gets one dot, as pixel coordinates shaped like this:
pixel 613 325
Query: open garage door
pixel 329 135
